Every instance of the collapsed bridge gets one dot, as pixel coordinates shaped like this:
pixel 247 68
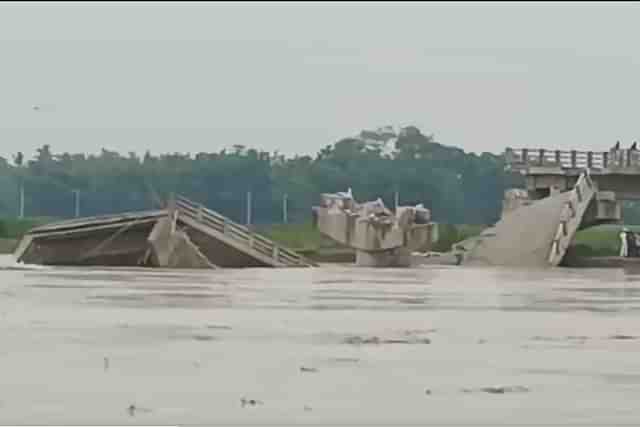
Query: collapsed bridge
pixel 185 235
pixel 565 191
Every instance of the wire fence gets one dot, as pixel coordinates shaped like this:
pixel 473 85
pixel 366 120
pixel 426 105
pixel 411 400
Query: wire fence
pixel 245 208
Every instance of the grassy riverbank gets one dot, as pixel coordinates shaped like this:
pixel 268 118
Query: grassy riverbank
pixel 12 229
pixel 307 240
pixel 600 241
pixel 596 241
pixel 7 246
pixel 302 237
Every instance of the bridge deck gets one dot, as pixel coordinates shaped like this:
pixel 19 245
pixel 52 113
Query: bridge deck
pixel 572 162
pixel 224 242
pixel 218 229
pixel 538 234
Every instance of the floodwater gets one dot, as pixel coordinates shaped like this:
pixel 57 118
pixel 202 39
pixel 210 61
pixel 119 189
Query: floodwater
pixel 334 345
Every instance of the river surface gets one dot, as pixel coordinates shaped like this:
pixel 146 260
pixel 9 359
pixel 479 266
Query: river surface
pixel 333 345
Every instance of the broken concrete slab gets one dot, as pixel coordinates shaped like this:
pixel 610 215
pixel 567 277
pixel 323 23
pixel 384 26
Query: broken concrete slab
pixel 186 235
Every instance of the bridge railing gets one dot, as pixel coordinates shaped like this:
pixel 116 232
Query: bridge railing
pixel 239 233
pixel 572 159
pixel 571 217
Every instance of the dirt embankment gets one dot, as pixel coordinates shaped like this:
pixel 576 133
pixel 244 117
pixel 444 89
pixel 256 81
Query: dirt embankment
pixel 7 246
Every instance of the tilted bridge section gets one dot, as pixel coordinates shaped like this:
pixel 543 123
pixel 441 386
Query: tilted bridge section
pixel 185 234
pixel 566 191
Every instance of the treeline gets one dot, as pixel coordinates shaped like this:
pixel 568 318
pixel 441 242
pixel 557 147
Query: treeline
pixel 458 187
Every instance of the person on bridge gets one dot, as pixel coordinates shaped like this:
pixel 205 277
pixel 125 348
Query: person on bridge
pixel 634 146
pixel 624 252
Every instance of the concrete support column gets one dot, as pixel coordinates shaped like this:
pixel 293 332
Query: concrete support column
pixel 399 257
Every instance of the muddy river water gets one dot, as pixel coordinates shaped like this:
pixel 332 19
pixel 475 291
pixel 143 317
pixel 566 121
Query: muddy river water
pixel 333 345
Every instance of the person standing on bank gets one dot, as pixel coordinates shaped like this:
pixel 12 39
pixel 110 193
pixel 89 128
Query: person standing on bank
pixel 632 248
pixel 624 252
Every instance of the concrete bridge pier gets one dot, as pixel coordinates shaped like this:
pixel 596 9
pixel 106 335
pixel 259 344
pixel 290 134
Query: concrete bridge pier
pixel 397 257
pixel 380 238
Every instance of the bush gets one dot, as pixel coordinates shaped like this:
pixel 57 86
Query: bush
pixel 448 234
pixel 598 241
pixel 296 236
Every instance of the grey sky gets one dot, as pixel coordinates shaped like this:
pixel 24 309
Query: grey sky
pixel 192 77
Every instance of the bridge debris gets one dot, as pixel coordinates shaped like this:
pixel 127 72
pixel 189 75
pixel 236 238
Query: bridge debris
pixel 381 238
pixel 185 235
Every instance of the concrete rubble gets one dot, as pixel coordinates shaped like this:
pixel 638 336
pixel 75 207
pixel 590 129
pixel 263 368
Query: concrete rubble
pixel 380 237
pixel 173 248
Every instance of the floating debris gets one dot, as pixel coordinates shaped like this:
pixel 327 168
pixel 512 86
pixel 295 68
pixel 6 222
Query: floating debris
pixel 203 338
pixel 501 390
pixel 419 331
pixel 395 341
pixel 427 392
pixel 225 327
pixel 581 338
pixel 345 359
pixel 133 409
pixel 304 369
pixel 357 340
pixel 539 338
pixel 498 390
pixel 251 402
pixel 577 337
pixel 623 337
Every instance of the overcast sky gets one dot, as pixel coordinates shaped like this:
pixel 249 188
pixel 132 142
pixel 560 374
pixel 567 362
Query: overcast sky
pixel 192 77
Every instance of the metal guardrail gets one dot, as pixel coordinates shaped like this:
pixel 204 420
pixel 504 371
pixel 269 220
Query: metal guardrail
pixel 239 233
pixel 571 217
pixel 572 158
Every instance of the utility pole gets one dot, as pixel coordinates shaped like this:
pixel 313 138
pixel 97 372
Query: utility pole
pixel 77 203
pixel 248 208
pixel 21 211
pixel 285 218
